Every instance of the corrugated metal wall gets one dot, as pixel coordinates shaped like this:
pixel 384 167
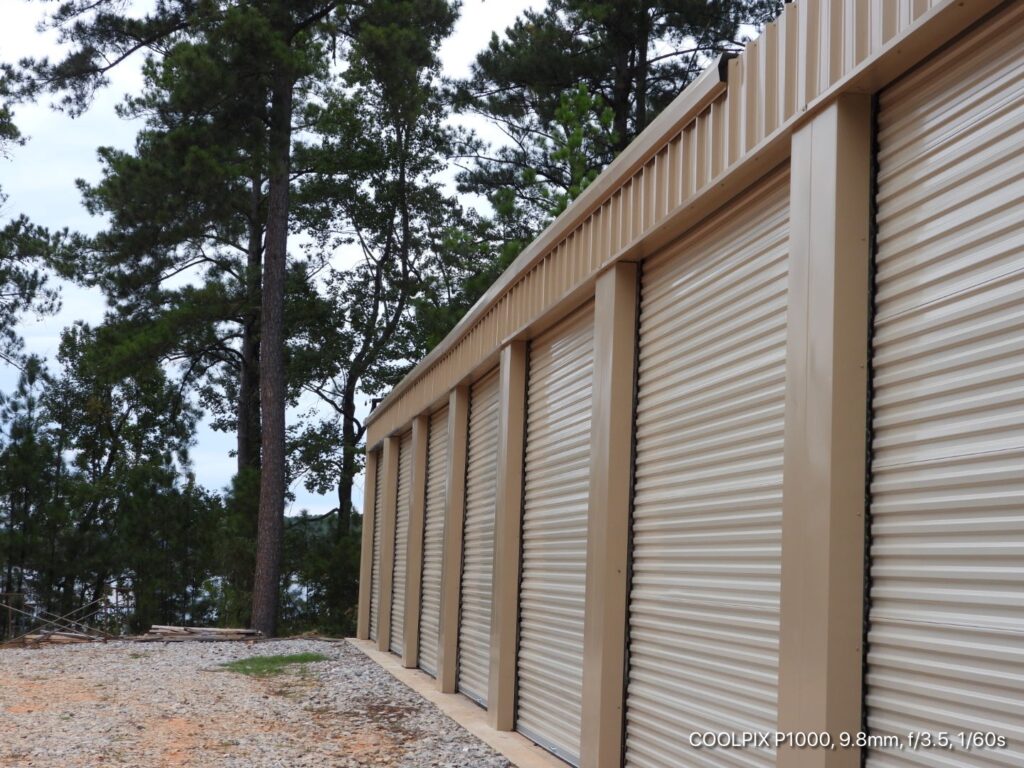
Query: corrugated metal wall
pixel 704 605
pixel 401 542
pixel 478 542
pixel 433 539
pixel 378 510
pixel 947 535
pixel 554 535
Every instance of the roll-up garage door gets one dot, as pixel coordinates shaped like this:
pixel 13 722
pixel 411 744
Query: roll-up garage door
pixel 946 632
pixel 401 542
pixel 433 539
pixel 554 544
pixel 704 602
pixel 378 507
pixel 478 539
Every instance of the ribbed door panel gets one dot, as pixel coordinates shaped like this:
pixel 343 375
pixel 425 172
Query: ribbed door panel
pixel 401 542
pixel 433 539
pixel 946 637
pixel 704 602
pixel 478 540
pixel 554 543
pixel 378 507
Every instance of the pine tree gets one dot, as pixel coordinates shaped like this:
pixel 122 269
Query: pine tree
pixel 375 191
pixel 25 250
pixel 96 491
pixel 180 261
pixel 573 84
pixel 27 471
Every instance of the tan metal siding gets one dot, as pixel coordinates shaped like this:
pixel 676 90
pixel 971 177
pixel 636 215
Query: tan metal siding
pixel 946 637
pixel 554 535
pixel 478 542
pixel 704 602
pixel 401 542
pixel 378 510
pixel 433 540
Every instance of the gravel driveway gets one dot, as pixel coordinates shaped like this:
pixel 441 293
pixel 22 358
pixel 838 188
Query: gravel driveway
pixel 156 704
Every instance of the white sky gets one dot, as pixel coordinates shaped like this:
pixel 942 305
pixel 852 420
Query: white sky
pixel 39 180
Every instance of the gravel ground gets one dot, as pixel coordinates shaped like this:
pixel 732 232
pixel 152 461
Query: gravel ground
pixel 169 705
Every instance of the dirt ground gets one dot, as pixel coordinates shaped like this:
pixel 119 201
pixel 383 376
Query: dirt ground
pixel 171 705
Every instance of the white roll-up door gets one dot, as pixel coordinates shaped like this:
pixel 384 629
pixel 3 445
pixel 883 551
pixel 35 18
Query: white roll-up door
pixel 401 542
pixel 554 535
pixel 704 601
pixel 478 540
pixel 433 539
pixel 946 615
pixel 378 507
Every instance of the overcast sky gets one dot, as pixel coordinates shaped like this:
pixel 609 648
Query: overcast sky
pixel 39 179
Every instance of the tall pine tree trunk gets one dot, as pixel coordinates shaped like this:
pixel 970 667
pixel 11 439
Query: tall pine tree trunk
pixel 9 576
pixel 270 531
pixel 349 453
pixel 249 401
pixel 248 432
pixel 642 72
pixel 621 24
pixel 621 90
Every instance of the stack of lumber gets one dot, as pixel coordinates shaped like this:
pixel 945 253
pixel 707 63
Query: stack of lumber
pixel 56 637
pixel 164 634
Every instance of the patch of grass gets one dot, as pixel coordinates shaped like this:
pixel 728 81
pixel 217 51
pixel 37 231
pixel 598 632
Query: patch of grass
pixel 267 666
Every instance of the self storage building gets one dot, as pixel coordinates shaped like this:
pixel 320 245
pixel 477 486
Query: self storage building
pixel 737 444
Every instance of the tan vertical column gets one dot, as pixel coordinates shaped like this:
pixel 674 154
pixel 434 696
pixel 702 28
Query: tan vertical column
pixel 501 695
pixel 454 519
pixel 366 550
pixel 414 548
pixel 826 407
pixel 604 638
pixel 388 487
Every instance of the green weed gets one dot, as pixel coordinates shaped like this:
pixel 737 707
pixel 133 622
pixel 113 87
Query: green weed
pixel 267 666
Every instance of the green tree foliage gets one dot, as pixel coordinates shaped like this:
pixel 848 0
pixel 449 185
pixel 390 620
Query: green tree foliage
pixel 95 492
pixel 572 84
pixel 181 258
pixel 128 439
pixel 29 467
pixel 180 261
pixel 576 140
pixel 25 289
pixel 373 193
pixel 25 249
pixel 322 576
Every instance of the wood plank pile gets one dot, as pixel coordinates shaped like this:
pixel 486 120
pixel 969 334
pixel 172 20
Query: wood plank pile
pixel 55 637
pixel 164 634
